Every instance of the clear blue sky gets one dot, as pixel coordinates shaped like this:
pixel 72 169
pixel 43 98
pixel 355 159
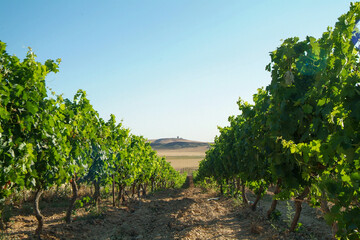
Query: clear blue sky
pixel 166 68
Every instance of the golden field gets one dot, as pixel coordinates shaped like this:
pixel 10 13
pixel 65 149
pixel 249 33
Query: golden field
pixel 181 153
pixel 184 158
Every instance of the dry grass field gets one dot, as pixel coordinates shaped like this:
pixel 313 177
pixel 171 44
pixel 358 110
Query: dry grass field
pixel 183 158
pixel 181 153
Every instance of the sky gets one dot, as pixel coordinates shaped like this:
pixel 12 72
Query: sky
pixel 166 68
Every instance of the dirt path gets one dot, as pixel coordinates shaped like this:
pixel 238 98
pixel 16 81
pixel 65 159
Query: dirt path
pixel 188 213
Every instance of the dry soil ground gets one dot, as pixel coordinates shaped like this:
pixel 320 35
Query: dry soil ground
pixel 188 213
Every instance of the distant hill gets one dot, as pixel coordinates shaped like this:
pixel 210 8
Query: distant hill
pixel 176 143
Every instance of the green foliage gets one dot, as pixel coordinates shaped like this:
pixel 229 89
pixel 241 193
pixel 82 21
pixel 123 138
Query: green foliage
pixel 275 215
pixel 206 183
pixel 82 202
pixel 7 213
pixel 303 129
pixel 289 213
pixel 7 236
pixel 22 88
pixel 47 141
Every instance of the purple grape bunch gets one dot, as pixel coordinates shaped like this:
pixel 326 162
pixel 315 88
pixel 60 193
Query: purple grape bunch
pixel 356 36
